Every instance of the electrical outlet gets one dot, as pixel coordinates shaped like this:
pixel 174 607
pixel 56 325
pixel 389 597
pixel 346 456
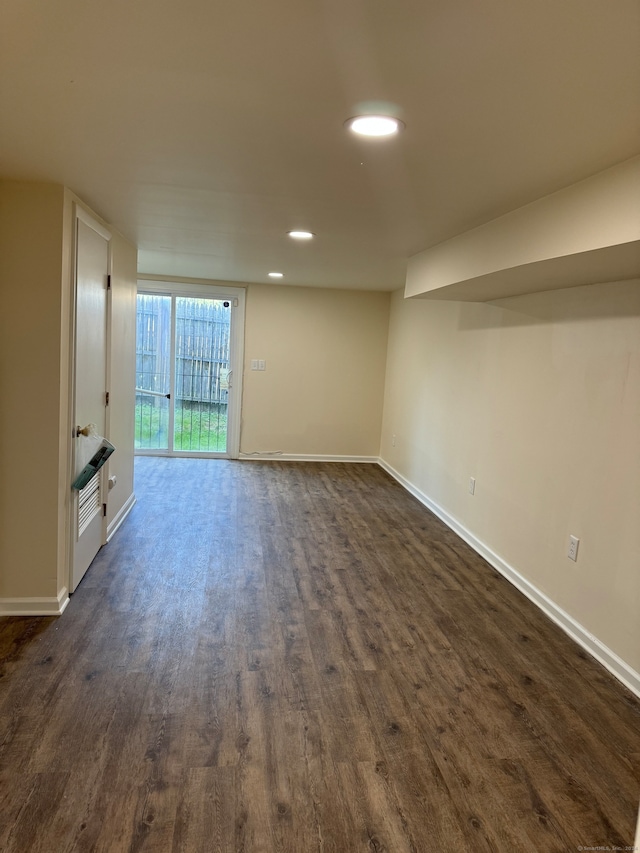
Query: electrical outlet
pixel 393 441
pixel 572 552
pixel 472 485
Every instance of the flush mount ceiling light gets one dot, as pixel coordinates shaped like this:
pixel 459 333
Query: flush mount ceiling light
pixel 301 235
pixel 276 274
pixel 374 125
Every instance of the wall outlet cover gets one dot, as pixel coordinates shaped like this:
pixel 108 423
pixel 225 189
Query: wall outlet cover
pixel 572 552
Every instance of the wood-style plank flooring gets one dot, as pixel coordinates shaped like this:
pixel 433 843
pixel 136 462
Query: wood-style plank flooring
pixel 300 657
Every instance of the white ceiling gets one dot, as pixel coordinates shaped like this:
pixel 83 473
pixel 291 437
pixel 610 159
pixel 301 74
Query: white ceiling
pixel 204 130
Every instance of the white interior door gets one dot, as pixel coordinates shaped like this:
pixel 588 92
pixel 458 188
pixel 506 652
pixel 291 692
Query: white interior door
pixel 90 370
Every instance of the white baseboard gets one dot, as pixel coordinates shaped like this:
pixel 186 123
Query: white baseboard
pixel 120 517
pixel 591 644
pixel 53 606
pixel 277 456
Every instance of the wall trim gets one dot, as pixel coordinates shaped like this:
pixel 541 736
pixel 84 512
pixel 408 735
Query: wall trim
pixel 53 606
pixel 277 456
pixel 120 516
pixel 591 644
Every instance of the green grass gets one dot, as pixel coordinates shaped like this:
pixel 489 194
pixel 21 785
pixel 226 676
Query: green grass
pixel 198 431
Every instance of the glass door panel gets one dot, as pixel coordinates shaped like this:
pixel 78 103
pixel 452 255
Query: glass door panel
pixel 202 352
pixel 184 395
pixel 153 372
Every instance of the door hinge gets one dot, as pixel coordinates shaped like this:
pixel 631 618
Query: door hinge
pixel 104 510
pixel 109 282
pixel 106 398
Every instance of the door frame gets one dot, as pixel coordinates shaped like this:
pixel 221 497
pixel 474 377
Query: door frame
pixel 80 214
pixel 236 295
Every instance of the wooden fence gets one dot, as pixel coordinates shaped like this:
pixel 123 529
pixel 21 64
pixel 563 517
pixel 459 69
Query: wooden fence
pixel 202 348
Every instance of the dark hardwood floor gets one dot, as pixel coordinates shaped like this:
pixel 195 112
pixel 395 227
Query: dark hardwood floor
pixel 300 657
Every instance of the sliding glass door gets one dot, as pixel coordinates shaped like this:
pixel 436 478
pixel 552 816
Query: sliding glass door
pixel 187 402
pixel 153 371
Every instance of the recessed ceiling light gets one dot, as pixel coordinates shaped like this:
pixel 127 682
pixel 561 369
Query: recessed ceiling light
pixel 374 125
pixel 301 235
pixel 276 274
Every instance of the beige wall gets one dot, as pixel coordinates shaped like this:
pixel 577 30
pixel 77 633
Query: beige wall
pixel 599 213
pixel 122 370
pixel 35 424
pixel 322 390
pixel 31 244
pixel 538 398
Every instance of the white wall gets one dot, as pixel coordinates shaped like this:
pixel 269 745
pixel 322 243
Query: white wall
pixel 322 390
pixel 538 398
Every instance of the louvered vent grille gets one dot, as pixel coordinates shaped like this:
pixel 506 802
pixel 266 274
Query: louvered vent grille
pixel 88 504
